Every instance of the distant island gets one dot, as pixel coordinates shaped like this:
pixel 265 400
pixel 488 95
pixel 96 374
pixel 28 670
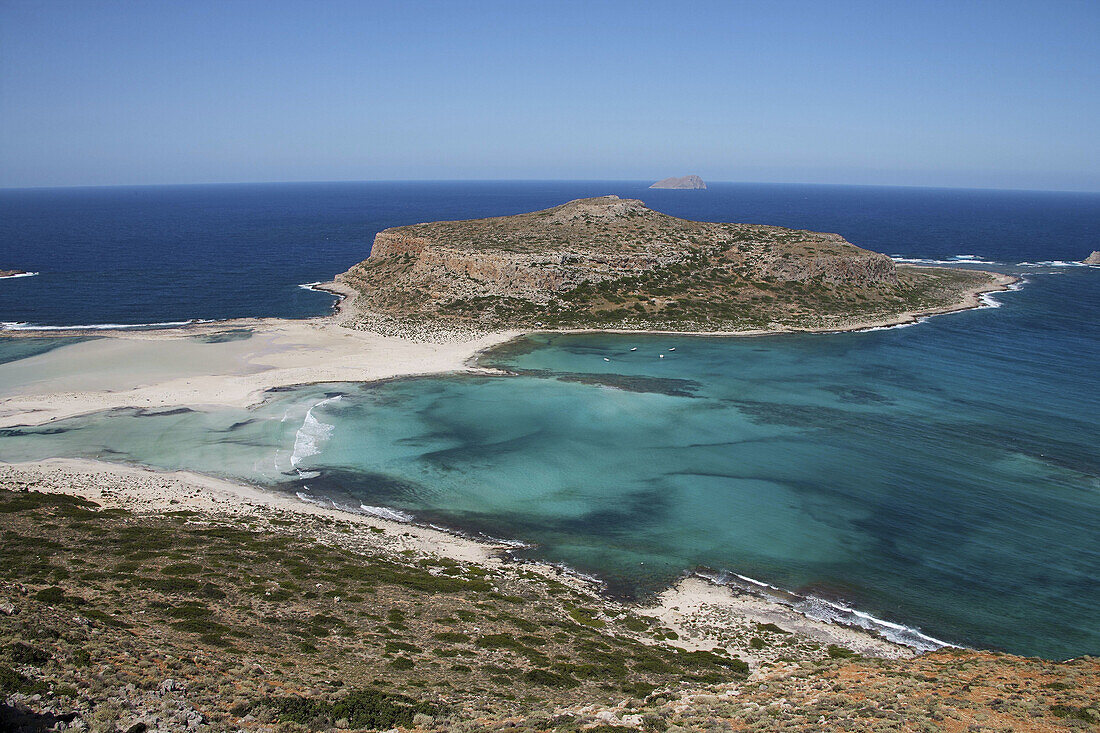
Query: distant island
pixel 612 263
pixel 683 182
pixel 1092 259
pixel 14 273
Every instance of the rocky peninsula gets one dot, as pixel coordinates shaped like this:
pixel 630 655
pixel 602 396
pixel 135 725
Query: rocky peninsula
pixel 612 263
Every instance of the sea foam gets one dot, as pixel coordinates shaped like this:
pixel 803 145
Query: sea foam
pixel 24 326
pixel 394 515
pixel 308 439
pixel 834 612
pixel 966 259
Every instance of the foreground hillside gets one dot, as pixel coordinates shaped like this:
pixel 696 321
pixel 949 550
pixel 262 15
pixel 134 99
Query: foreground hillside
pixel 112 620
pixel 614 263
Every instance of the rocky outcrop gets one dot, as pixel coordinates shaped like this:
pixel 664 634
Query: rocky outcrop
pixel 1092 259
pixel 610 261
pixel 13 273
pixel 683 182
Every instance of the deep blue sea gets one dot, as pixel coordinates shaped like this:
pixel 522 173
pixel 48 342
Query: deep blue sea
pixel 943 476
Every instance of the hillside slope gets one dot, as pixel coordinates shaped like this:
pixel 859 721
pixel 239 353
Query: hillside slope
pixel 115 620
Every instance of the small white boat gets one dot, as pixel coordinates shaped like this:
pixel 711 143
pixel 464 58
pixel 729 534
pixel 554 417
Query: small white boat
pixel 606 359
pixel 662 356
pixel 673 349
pixel 634 348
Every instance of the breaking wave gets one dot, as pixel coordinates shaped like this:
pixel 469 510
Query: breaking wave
pixel 967 259
pixel 394 515
pixel 833 612
pixel 24 326
pixel 308 439
pixel 1055 263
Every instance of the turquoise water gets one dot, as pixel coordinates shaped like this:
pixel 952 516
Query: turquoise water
pixel 942 476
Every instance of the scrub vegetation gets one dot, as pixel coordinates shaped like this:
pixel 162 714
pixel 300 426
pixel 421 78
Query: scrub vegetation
pixel 111 619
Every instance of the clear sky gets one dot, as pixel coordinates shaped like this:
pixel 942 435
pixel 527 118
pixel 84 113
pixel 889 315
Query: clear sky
pixel 987 94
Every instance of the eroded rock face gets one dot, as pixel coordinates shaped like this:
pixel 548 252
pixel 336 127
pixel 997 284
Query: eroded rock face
pixel 1092 259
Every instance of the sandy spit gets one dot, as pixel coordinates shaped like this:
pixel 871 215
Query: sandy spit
pixel 169 368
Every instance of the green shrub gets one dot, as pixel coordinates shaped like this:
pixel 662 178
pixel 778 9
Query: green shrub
pixel 12 681
pixel 52 594
pixel 586 617
pixel 26 654
pixel 183 568
pixel 840 652
pixel 366 708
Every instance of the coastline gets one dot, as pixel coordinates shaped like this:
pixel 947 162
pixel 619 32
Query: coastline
pixel 280 353
pixel 703 613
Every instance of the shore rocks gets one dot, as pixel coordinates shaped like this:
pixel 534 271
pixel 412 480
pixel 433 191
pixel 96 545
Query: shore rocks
pixel 1092 259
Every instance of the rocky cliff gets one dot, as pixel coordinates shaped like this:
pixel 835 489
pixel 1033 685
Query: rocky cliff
pixel 1092 259
pixel 607 261
pixel 683 182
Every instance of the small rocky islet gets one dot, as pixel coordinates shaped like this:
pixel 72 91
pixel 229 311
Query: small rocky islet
pixel 682 183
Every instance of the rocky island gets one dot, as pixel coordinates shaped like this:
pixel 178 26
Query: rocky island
pixel 13 273
pixel 612 263
pixel 1092 259
pixel 681 183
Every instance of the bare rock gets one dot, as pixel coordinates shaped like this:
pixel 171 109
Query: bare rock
pixel 681 183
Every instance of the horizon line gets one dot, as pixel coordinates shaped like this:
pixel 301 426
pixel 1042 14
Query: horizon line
pixel 537 180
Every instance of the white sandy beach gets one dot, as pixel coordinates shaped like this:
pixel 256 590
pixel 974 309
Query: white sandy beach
pixel 166 369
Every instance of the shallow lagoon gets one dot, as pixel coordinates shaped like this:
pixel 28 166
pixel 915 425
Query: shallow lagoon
pixel 942 476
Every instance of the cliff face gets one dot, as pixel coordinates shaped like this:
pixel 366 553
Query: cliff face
pixel 683 182
pixel 607 260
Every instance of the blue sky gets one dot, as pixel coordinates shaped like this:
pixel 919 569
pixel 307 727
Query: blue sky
pixel 985 94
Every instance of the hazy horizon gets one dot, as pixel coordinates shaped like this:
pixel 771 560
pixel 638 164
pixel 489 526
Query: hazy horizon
pixel 168 184
pixel 114 92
